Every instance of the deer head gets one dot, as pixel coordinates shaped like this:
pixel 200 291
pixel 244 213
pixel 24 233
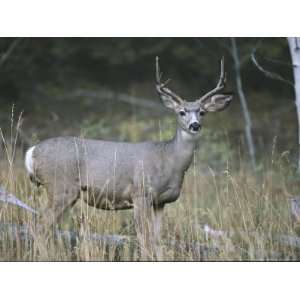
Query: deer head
pixel 190 113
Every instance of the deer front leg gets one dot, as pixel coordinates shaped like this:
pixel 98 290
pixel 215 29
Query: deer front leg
pixel 143 219
pixel 157 223
pixel 148 226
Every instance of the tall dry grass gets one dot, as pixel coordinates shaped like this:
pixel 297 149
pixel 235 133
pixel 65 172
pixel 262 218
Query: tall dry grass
pixel 248 211
pixel 251 210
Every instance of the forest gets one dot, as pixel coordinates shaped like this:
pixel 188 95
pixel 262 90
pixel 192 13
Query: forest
pixel 239 197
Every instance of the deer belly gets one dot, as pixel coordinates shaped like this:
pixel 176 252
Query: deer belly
pixel 109 199
pixel 169 191
pixel 171 194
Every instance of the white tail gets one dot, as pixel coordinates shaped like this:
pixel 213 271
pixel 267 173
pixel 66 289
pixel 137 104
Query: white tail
pixel 29 160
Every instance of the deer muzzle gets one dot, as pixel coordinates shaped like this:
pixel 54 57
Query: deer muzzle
pixel 195 127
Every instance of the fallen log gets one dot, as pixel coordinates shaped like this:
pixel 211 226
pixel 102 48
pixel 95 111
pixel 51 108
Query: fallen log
pixel 72 238
pixel 8 198
pixel 23 232
pixel 198 250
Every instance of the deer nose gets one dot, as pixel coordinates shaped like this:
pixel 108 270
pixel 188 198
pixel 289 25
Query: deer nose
pixel 195 126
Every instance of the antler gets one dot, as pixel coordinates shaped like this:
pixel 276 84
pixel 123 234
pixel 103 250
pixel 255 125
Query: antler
pixel 220 86
pixel 161 87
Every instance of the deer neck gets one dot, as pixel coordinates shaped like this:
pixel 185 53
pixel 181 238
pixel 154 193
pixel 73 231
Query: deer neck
pixel 183 146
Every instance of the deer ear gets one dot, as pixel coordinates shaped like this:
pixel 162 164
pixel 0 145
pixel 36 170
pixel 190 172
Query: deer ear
pixel 217 102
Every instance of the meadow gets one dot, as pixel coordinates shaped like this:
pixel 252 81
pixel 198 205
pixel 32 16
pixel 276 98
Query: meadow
pixel 226 212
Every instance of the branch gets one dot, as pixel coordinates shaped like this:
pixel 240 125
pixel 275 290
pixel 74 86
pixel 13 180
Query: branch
pixel 267 73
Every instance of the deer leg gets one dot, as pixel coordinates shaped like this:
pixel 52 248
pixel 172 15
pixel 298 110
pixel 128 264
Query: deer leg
pixel 61 198
pixel 157 221
pixel 144 226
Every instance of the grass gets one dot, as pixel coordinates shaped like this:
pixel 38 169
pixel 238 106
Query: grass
pixel 250 209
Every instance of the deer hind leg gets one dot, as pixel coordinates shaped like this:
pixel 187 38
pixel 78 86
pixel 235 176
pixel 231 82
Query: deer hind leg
pixel 61 197
pixel 142 217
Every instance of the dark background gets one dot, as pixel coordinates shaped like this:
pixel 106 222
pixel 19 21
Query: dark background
pixel 72 86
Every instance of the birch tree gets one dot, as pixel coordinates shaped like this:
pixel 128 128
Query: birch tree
pixel 294 45
pixel 243 100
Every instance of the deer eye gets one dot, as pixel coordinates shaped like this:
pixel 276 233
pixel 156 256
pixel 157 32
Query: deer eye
pixel 202 113
pixel 182 113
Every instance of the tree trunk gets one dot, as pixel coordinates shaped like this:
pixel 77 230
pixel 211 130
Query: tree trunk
pixel 294 45
pixel 245 110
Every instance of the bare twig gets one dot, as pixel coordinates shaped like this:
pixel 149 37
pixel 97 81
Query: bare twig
pixel 267 73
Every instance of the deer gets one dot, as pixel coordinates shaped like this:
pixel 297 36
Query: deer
pixel 108 175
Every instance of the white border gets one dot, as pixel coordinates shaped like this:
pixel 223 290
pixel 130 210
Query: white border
pixel 149 18
pixel 149 281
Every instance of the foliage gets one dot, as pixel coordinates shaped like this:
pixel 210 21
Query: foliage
pixel 119 62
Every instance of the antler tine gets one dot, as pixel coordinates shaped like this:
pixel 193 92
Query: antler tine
pixel 158 74
pixel 161 87
pixel 220 85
